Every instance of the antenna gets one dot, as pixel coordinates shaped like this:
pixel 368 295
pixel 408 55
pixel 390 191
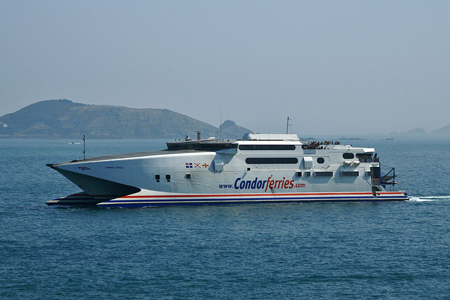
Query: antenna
pixel 287 125
pixel 84 147
pixel 220 125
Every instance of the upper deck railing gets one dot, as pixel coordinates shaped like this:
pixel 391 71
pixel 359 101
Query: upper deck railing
pixel 320 144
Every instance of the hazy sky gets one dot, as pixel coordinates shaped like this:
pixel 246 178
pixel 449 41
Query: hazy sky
pixel 333 67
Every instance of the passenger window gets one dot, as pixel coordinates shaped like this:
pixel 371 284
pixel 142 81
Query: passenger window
pixel 271 160
pixel 348 155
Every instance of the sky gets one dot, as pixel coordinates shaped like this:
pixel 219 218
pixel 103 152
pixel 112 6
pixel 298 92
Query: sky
pixel 332 67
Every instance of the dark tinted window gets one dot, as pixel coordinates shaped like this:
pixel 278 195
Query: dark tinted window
pixel 320 160
pixel 348 155
pixel 349 173
pixel 322 174
pixel 364 157
pixel 272 160
pixel 266 147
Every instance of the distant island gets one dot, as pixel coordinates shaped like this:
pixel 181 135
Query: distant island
pixel 67 119
pixel 421 132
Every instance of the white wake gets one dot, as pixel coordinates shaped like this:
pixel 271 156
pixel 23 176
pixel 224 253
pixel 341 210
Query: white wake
pixel 429 198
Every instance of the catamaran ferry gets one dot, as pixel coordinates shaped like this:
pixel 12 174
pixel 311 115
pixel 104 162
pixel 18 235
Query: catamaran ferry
pixel 258 168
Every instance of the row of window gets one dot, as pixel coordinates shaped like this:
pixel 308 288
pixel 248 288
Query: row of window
pixel 347 155
pixel 276 160
pixel 293 160
pixel 271 160
pixel 158 178
pixel 329 174
pixel 364 157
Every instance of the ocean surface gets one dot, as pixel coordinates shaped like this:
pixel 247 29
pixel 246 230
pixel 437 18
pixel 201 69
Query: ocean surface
pixel 396 250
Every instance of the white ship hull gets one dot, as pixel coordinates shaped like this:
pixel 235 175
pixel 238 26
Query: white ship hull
pixel 257 170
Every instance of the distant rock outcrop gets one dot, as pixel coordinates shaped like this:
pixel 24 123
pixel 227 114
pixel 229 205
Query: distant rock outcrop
pixel 416 131
pixel 232 130
pixel 442 131
pixel 66 119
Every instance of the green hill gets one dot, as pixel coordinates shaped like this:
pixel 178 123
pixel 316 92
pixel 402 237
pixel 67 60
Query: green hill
pixel 66 119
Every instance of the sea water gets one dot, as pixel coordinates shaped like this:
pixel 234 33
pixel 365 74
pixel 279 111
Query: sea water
pixel 395 250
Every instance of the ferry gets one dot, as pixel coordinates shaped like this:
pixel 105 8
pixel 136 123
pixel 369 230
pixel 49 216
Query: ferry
pixel 259 168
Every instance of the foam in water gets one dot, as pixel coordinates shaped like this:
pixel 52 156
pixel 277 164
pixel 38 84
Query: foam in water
pixel 430 198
